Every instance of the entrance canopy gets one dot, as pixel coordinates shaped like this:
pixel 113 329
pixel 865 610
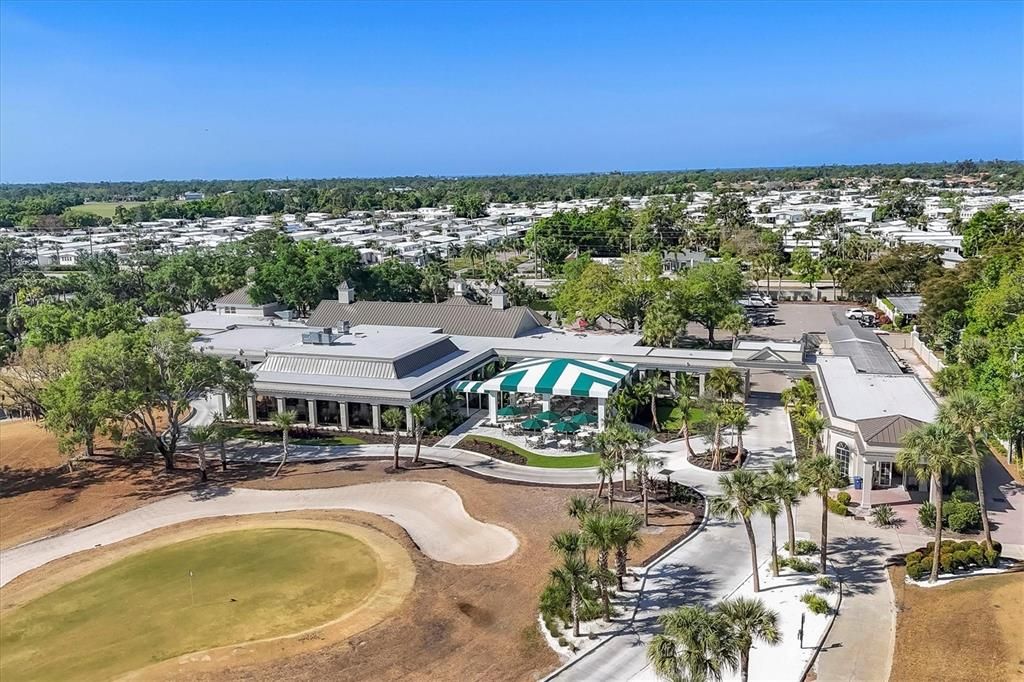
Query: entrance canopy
pixel 545 376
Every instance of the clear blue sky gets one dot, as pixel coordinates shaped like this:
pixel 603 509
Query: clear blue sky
pixel 93 91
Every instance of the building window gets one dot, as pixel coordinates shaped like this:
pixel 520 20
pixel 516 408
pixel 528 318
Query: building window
pixel 843 458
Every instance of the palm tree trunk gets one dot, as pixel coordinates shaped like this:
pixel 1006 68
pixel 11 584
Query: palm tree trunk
pixel 223 457
pixel 611 494
pixel 775 551
pixel 716 455
pixel 980 483
pixel 624 474
pixel 824 530
pixel 738 459
pixel 753 553
pixel 654 411
pixel 602 564
pixel 937 486
pixel 686 437
pixel 201 459
pixel 284 452
pixel 792 529
pixel 600 486
pixel 644 485
pixel 397 444
pixel 575 606
pixel 744 664
pixel 419 443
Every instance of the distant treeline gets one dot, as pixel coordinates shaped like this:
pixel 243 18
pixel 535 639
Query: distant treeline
pixel 46 204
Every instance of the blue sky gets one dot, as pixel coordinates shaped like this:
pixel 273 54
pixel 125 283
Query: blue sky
pixel 93 91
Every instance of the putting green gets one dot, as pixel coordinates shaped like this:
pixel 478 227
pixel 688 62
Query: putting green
pixel 246 585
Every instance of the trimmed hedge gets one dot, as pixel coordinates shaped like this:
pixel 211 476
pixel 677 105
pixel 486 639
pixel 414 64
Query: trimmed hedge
pixel 958 515
pixel 953 556
pixel 843 498
pixel 837 507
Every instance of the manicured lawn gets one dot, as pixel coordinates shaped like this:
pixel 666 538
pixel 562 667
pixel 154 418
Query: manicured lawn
pixel 267 437
pixel 668 417
pixel 590 459
pixel 104 209
pixel 968 630
pixel 248 585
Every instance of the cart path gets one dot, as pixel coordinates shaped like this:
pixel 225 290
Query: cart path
pixel 432 514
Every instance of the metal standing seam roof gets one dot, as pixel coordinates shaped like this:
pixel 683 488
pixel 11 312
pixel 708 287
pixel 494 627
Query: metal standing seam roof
pixel 237 297
pixel 866 351
pixel 582 378
pixel 465 320
pixel 887 431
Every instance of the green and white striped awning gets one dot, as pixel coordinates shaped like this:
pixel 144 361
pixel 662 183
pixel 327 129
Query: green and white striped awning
pixel 581 378
pixel 469 387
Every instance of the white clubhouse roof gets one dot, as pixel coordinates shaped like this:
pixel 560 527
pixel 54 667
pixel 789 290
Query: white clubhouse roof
pixel 854 395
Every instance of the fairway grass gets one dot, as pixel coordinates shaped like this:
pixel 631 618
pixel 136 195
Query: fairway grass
pixel 246 585
pixel 104 209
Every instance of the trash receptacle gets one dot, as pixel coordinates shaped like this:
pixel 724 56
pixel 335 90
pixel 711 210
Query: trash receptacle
pixel 858 483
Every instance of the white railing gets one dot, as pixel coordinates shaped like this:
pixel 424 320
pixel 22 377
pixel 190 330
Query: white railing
pixel 933 362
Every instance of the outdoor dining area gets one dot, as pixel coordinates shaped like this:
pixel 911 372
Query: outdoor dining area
pixel 551 403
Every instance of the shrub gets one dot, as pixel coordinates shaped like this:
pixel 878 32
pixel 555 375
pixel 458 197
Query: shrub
pixel 998 547
pixel 926 516
pixel 799 565
pixel 815 603
pixel 883 515
pixel 960 559
pixel 826 583
pixel 914 557
pixel 991 557
pixel 837 507
pixel 948 544
pixel 976 555
pixel 917 571
pixel 946 562
pixel 562 641
pixel 965 516
pixel 804 547
pixel 843 498
pixel 966 545
pixel 963 495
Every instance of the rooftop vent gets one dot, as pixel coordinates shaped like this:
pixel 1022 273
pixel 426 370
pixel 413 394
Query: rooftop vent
pixel 323 337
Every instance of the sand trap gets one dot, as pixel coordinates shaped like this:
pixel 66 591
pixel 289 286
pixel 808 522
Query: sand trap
pixel 432 514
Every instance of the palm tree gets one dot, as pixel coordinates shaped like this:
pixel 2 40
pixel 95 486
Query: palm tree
pixel 750 620
pixel 686 384
pixel 599 532
pixel 787 491
pixel 742 496
pixel 686 408
pixel 724 382
pixel 423 413
pixel 821 474
pixel 931 451
pixel 568 543
pixel 607 466
pixel 201 436
pixel 574 576
pixel 973 415
pixel 652 386
pixel 644 463
pixel 695 644
pixel 811 424
pixel 626 534
pixel 284 421
pixel 799 396
pixel 714 419
pixel 220 437
pixel 580 506
pixel 771 507
pixel 739 421
pixel 394 418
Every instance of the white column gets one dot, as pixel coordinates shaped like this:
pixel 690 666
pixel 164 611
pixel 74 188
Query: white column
pixel 601 413
pixel 672 376
pixel 408 419
pixel 492 407
pixel 934 490
pixel 700 385
pixel 311 408
pixel 343 415
pixel 545 403
pixel 250 401
pixel 280 405
pixel 222 404
pixel 865 493
pixel 376 417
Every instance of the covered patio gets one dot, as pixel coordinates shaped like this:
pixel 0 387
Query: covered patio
pixel 555 390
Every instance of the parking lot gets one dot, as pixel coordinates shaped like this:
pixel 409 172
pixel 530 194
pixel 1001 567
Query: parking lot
pixel 791 321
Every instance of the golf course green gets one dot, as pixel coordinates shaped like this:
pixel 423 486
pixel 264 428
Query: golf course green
pixel 211 591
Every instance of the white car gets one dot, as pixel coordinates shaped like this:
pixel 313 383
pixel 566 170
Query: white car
pixel 856 313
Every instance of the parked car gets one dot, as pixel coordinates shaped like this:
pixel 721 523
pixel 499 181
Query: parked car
pixel 855 313
pixel 867 320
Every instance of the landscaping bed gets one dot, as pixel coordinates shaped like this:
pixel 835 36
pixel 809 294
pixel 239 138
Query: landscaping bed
pixel 509 452
pixel 704 459
pixel 954 557
pixel 307 436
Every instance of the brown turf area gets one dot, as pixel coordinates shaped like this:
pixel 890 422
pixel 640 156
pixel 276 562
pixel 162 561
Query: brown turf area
pixel 968 630
pixel 460 622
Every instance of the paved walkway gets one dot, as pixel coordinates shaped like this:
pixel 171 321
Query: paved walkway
pixel 432 514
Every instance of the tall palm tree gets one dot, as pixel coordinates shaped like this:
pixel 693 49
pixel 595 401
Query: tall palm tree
pixel 653 385
pixel 626 534
pixel 724 382
pixel 715 418
pixel 932 451
pixel 742 495
pixel 644 465
pixel 580 506
pixel 771 507
pixel 607 466
pixel 686 408
pixel 201 436
pixel 811 424
pixel 973 416
pixel 574 576
pixel 598 532
pixel 686 384
pixel 284 421
pixel 423 413
pixel 695 644
pixel 750 620
pixel 220 437
pixel 740 422
pixel 394 419
pixel 821 474
pixel 787 491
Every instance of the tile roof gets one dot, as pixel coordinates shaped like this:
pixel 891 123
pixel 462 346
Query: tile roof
pixel 463 320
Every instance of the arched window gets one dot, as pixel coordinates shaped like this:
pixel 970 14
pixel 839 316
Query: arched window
pixel 843 458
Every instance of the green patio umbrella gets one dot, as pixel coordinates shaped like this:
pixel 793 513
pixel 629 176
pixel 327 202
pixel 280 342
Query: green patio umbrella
pixel 548 416
pixel 566 427
pixel 534 425
pixel 584 418
pixel 509 411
